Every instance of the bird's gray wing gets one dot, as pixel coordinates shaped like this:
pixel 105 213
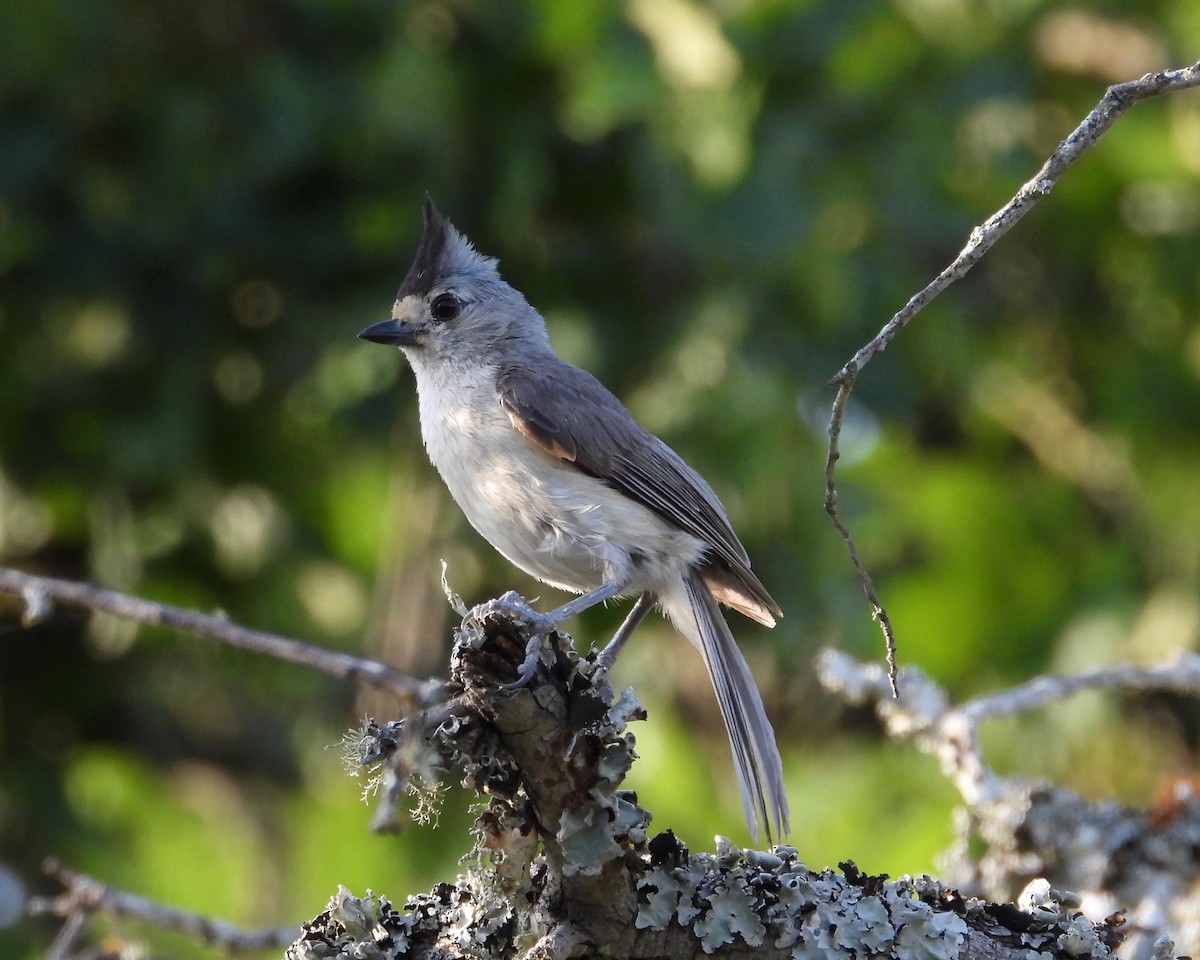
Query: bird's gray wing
pixel 569 414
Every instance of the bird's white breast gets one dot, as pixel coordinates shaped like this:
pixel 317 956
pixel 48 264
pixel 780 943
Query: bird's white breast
pixel 544 514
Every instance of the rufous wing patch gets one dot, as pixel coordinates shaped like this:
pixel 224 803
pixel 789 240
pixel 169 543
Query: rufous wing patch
pixel 537 431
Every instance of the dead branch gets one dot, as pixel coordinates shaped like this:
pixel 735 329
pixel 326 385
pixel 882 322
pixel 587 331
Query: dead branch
pixel 1115 102
pixel 37 593
pixel 1013 830
pixel 564 866
pixel 83 897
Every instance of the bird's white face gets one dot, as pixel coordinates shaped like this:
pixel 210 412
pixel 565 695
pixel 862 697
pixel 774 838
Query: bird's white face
pixel 461 320
pixel 454 309
pixel 408 309
pixel 414 320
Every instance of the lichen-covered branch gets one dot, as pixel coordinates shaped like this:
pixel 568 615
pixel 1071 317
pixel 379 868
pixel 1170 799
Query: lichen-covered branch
pixel 1116 100
pixel 84 896
pixel 1012 830
pixel 564 865
pixel 40 593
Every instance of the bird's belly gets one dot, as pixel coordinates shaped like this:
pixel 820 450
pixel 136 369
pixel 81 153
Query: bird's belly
pixel 555 522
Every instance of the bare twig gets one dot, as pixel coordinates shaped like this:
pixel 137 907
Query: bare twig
pixel 1181 675
pixel 84 896
pixel 1116 100
pixel 951 733
pixel 36 591
pixel 878 613
pixel 68 935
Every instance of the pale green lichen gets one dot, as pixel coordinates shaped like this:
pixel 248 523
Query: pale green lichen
pixel 598 831
pixel 662 891
pixel 428 797
pixel 452 596
pixel 936 936
pixel 868 925
pixel 730 915
pixel 1080 940
pixel 354 928
pixel 752 898
pixel 627 707
pixel 586 839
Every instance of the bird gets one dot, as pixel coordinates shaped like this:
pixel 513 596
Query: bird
pixel 552 470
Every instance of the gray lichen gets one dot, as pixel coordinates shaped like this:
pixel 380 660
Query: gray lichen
pixel 563 865
pixel 733 897
pixel 354 928
pixel 729 900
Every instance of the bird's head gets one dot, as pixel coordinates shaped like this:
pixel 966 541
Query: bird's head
pixel 453 306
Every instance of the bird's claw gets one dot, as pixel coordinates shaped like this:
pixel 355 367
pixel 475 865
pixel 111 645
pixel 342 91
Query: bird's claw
pixel 510 605
pixel 513 606
pixel 533 652
pixel 602 663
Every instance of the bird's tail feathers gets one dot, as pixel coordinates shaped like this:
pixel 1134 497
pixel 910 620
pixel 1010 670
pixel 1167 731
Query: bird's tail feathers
pixel 695 613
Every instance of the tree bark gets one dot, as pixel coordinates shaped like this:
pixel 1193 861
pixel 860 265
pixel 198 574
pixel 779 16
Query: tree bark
pixel 563 865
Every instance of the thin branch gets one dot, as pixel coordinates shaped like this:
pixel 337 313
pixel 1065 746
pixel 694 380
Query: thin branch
pixel 1181 675
pixel 84 896
pixel 37 592
pixel 1116 100
pixel 878 613
pixel 1138 860
pixel 68 935
pixel 1112 105
pixel 951 733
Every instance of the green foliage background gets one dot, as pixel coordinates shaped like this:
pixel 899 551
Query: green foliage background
pixel 714 204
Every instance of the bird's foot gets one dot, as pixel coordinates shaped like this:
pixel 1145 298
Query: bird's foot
pixel 525 672
pixel 512 606
pixel 604 661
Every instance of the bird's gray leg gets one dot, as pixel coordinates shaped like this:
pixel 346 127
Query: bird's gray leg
pixel 572 608
pixel 608 656
pixel 542 624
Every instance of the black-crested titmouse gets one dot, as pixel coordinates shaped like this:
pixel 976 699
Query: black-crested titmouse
pixel 557 475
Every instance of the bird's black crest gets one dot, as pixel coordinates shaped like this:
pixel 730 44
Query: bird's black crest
pixel 432 248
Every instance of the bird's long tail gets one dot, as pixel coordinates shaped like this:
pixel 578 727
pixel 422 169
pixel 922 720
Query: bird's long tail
pixel 695 613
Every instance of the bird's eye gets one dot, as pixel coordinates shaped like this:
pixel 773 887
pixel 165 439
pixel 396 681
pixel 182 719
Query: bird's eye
pixel 444 307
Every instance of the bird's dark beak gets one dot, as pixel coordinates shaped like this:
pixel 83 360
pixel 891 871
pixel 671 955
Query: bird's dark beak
pixel 392 332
